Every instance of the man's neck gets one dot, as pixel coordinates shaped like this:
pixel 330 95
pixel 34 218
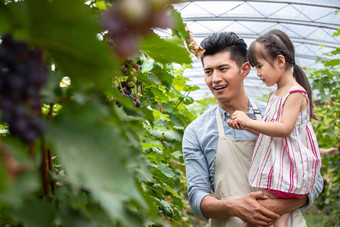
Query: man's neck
pixel 240 103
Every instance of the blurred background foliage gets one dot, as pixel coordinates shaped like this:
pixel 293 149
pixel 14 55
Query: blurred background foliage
pixel 115 114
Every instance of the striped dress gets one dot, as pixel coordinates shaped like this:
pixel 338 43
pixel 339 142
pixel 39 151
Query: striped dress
pixel 288 164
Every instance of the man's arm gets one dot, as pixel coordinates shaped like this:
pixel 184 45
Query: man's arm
pixel 281 206
pixel 246 208
pixel 197 171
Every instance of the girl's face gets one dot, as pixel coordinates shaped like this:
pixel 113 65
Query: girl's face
pixel 268 73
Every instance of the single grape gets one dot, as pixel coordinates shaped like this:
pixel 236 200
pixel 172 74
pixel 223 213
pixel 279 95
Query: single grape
pixel 127 91
pixel 136 66
pixel 138 104
pixel 19 110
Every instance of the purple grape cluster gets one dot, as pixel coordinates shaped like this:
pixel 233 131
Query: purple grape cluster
pixel 22 74
pixel 128 20
pixel 129 70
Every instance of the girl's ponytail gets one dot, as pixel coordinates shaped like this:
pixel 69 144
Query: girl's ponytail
pixel 302 79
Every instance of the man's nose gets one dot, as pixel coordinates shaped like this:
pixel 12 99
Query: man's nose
pixel 216 77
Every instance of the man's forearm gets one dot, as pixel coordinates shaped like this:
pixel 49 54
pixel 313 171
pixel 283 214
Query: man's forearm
pixel 214 208
pixel 281 206
pixel 246 208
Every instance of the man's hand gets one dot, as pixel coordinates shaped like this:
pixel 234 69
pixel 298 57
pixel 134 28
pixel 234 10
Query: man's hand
pixel 250 211
pixel 235 125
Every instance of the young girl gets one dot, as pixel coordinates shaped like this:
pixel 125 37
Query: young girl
pixel 286 159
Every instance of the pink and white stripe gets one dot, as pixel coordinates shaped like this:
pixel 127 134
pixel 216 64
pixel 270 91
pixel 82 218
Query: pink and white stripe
pixel 288 164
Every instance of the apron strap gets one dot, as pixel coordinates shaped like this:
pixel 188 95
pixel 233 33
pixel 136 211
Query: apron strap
pixel 257 112
pixel 219 123
pixel 221 133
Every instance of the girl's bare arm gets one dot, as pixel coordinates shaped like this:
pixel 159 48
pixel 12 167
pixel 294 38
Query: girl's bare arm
pixel 291 110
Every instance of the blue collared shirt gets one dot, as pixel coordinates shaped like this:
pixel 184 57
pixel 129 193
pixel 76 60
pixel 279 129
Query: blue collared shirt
pixel 199 151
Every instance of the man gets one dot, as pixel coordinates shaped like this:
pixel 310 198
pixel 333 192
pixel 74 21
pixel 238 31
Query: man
pixel 217 157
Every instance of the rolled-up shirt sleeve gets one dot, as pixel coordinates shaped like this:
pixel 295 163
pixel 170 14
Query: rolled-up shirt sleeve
pixel 315 193
pixel 197 173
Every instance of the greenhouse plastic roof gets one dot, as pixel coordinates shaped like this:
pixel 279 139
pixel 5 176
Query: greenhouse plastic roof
pixel 309 24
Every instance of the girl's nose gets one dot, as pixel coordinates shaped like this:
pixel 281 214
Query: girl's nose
pixel 258 73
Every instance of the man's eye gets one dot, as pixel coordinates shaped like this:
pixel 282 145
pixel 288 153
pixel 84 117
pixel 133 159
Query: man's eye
pixel 224 69
pixel 207 72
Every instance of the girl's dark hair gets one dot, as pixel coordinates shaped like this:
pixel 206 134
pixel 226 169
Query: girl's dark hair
pixel 225 41
pixel 274 43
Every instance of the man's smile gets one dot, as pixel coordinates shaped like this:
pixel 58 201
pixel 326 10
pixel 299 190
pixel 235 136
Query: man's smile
pixel 219 87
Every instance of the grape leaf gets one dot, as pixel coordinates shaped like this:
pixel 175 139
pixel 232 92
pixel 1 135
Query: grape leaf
pixel 164 51
pixel 75 48
pixel 163 75
pixel 90 149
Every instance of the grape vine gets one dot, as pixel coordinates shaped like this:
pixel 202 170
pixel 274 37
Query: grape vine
pixel 22 74
pixel 129 71
pixel 128 20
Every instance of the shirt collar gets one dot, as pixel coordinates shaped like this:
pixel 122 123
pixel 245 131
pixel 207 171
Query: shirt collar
pixel 225 115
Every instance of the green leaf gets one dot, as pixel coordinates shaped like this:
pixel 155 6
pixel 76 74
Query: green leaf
pixel 177 154
pixel 4 19
pixel 189 88
pixel 172 135
pixel 166 170
pixel 166 208
pixel 179 83
pixel 164 51
pixel 35 213
pixel 178 24
pixel 3 174
pixel 96 157
pixel 68 33
pixel 159 95
pixel 48 90
pixel 337 33
pixel 163 75
pixel 333 62
pixel 148 114
pixel 142 77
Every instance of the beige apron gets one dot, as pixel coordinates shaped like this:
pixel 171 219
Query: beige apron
pixel 231 174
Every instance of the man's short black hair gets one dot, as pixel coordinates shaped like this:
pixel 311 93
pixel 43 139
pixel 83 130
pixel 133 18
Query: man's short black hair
pixel 225 41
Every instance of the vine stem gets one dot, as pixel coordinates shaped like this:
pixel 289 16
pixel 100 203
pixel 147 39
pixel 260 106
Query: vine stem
pixel 50 167
pixel 181 100
pixel 49 151
pixel 44 167
pixel 31 151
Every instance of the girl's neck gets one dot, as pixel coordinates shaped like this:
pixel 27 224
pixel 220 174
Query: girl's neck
pixel 286 81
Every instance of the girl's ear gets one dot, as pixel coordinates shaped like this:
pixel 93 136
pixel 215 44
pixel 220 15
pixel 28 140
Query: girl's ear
pixel 245 69
pixel 281 61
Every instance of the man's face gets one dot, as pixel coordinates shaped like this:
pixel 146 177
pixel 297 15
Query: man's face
pixel 223 76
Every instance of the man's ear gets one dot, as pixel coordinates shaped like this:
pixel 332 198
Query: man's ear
pixel 245 69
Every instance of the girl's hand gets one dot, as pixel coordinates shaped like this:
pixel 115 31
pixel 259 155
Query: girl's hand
pixel 241 118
